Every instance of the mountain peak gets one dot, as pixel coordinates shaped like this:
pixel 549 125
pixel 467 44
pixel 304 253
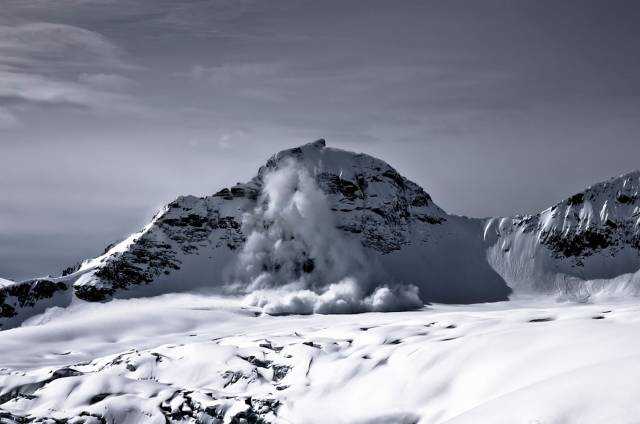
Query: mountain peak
pixel 626 180
pixel 318 144
pixel 196 242
pixel 622 190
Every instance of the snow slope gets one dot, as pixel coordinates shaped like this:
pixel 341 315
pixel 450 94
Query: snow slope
pixel 5 282
pixel 326 230
pixel 185 358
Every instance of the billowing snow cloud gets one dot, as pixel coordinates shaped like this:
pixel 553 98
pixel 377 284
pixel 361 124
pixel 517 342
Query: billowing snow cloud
pixel 295 260
pixel 344 297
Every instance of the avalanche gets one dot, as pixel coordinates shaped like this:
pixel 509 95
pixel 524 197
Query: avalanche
pixel 302 296
pixel 295 260
pixel 320 229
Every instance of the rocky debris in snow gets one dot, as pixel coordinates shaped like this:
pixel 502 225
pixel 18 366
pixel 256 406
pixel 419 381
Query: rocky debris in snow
pixel 243 369
pixel 544 319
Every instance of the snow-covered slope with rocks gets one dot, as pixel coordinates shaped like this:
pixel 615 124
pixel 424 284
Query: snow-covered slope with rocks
pixel 5 282
pixel 408 238
pixel 583 247
pixel 326 230
pixel 187 359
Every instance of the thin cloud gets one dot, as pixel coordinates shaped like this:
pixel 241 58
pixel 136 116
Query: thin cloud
pixel 101 81
pixel 157 19
pixel 47 64
pixel 36 44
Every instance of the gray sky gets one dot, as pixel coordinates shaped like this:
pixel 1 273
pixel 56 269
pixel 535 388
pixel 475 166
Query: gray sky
pixel 111 108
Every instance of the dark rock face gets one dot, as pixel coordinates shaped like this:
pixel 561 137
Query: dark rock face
pixel 308 266
pixel 583 243
pixel 71 269
pixel 93 294
pixel 188 231
pixel 623 198
pixel 146 260
pixel 188 225
pixel 26 294
pixel 603 217
pixel 584 238
pixel 378 203
pixel 583 247
pixel 576 199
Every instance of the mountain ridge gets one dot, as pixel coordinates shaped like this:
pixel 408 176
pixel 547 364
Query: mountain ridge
pixel 195 241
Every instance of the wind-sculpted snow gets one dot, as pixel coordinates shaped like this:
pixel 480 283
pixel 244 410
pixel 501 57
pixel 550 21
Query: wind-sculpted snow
pixel 295 259
pixel 183 359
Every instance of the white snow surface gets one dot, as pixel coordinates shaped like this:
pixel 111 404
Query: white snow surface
pixel 5 282
pixel 186 358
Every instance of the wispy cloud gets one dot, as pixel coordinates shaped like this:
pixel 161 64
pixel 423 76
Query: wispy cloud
pixel 381 98
pixel 38 43
pixel 46 64
pixel 162 19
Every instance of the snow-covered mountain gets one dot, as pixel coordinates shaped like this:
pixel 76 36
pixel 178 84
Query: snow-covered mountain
pixel 329 231
pixel 194 241
pixel 587 245
pixel 326 230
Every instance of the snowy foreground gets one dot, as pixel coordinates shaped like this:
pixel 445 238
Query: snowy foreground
pixel 188 358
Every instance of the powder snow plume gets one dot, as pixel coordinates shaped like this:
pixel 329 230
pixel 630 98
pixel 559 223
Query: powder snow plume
pixel 295 260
